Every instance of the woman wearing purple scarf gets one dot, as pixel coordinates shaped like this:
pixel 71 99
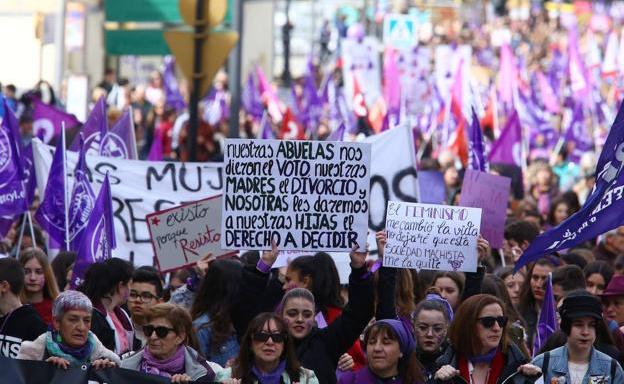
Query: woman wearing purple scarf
pixel 267 356
pixel 391 353
pixel 170 348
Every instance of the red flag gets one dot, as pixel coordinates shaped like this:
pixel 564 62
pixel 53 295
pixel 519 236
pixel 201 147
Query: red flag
pixel 291 129
pixel 359 103
pixel 458 144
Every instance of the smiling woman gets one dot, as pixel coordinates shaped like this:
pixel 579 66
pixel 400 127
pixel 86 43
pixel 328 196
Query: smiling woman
pixel 70 343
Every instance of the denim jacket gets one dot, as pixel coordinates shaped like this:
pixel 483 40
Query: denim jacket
pixel 227 351
pixel 598 372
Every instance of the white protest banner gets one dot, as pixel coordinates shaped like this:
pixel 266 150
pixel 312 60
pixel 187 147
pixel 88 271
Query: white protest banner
pixel 304 195
pixel 490 193
pixel 183 235
pixel 361 61
pixel 429 236
pixel 139 188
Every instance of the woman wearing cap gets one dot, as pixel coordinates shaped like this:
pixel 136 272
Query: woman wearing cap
pixel 71 343
pixel 390 349
pixel 578 362
pixel 267 356
pixel 170 350
pixel 480 351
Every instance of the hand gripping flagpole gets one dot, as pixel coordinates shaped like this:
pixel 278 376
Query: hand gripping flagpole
pixel 65 198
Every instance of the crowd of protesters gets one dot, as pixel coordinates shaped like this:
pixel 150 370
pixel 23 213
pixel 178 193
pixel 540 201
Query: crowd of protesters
pixel 238 320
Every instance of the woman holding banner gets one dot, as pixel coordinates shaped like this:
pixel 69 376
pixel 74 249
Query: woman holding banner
pixel 70 343
pixel 170 350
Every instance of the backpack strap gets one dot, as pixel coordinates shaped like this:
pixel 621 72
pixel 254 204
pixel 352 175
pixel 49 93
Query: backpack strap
pixel 613 369
pixel 545 364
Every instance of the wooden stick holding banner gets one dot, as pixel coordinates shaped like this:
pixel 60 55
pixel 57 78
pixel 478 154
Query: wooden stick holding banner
pixel 21 234
pixel 65 197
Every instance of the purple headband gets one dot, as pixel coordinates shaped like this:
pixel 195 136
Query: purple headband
pixel 436 297
pixel 407 344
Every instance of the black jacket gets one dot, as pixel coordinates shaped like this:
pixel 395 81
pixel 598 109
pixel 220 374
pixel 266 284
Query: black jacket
pixel 513 359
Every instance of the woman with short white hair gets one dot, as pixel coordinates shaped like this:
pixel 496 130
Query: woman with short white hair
pixel 71 343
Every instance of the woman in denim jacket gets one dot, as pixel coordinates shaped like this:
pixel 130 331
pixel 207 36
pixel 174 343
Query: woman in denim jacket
pixel 578 362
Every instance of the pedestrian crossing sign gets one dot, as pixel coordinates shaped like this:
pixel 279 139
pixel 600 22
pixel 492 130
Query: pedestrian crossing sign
pixel 400 31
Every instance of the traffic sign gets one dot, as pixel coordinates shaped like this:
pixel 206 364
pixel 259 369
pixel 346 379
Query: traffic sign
pixel 400 31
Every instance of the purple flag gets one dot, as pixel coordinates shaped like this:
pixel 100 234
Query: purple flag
pixel 431 189
pixel 119 141
pixel 577 138
pixel 51 212
pixel 82 200
pixel 392 84
pixel 265 128
pixel 156 150
pixel 6 222
pixel 547 324
pixel 602 210
pixel 30 182
pixel 12 192
pixel 93 129
pixel 313 109
pixel 508 148
pixel 173 96
pixel 47 120
pixel 251 99
pixel 338 134
pixel 579 79
pixel 476 159
pixel 98 238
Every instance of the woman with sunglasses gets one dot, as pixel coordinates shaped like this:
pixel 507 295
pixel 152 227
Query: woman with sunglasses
pixel 480 351
pixel 170 350
pixel 70 343
pixel 267 356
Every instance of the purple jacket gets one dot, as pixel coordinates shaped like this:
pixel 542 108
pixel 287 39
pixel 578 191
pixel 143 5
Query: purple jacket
pixel 363 376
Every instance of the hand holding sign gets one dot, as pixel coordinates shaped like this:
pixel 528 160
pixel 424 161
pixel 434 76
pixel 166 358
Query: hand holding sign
pixel 358 259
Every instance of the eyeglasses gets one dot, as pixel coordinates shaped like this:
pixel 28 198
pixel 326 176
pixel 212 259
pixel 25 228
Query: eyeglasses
pixel 423 328
pixel 263 337
pixel 161 332
pixel 488 321
pixel 144 296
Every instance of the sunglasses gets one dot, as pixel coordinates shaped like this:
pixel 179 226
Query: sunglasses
pixel 161 332
pixel 488 321
pixel 263 337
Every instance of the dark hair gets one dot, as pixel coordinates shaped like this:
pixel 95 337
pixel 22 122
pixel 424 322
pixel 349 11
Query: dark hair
pixel 101 279
pixel 526 296
pixel 495 286
pixel 242 367
pixel 457 278
pixel 215 296
pixel 322 270
pixel 573 258
pixel 569 277
pixel 553 208
pixel 250 258
pixel 60 265
pixel 504 272
pixel 602 331
pixel 11 88
pixel 601 267
pixel 432 305
pixel 463 334
pixel 410 369
pixel 181 274
pixel 150 275
pixel 12 272
pixel 521 231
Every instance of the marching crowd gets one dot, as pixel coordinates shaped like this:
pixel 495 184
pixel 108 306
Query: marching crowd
pixel 238 320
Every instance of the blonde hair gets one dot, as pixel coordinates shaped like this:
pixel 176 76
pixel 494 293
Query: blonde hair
pixel 179 318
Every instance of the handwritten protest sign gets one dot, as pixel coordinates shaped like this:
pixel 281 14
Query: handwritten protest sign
pixel 490 193
pixel 182 235
pixel 429 236
pixel 304 195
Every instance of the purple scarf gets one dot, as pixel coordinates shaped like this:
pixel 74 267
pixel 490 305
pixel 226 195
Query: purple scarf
pixel 487 358
pixel 164 368
pixel 272 377
pixel 365 376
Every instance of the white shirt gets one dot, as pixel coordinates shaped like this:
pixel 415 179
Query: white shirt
pixel 577 372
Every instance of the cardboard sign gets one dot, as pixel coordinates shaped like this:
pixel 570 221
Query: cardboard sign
pixel 490 193
pixel 182 235
pixel 428 236
pixel 361 62
pixel 304 195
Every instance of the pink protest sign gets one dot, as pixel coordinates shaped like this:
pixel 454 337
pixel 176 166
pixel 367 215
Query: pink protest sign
pixel 491 194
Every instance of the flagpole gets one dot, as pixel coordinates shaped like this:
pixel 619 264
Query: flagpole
pixel 32 229
pixel 65 198
pixel 21 235
pixel 132 133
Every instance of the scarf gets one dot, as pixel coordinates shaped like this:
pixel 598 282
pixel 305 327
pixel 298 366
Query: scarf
pixel 497 362
pixel 272 377
pixel 76 356
pixel 165 368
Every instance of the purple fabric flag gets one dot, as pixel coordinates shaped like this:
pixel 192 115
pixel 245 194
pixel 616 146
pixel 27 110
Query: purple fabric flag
pixel 251 99
pixel 547 94
pixel 47 121
pixel 173 96
pixel 6 222
pixel 51 212
pixel 30 182
pixel 313 109
pixel 392 84
pixel 577 138
pixel 476 159
pixel 266 129
pixel 12 192
pixel 508 148
pixel 431 189
pixel 508 74
pixel 602 210
pixel 579 80
pixel 547 324
pixel 94 128
pixel 156 149
pixel 98 238
pixel 119 141
pixel 82 200
pixel 338 134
